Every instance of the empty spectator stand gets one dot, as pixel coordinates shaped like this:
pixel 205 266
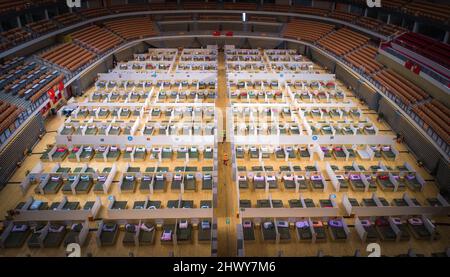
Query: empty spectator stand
pixel 343 41
pixel 389 30
pixel 434 11
pixel 8 115
pixel 128 8
pixel 97 39
pixel 240 6
pixel 68 55
pixel 42 26
pixel 132 28
pixel 403 90
pixel 199 5
pixel 364 58
pixel 433 50
pixel 67 19
pixel 310 10
pixel 18 5
pixel 306 30
pixel 276 8
pixel 94 12
pixel 369 23
pixel 435 116
pixel 22 82
pixel 344 16
pixel 163 6
pixel 394 4
pixel 16 35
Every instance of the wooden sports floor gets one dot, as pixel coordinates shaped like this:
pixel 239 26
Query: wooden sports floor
pixel 226 210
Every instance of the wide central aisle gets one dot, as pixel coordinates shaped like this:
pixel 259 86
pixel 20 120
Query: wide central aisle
pixel 226 204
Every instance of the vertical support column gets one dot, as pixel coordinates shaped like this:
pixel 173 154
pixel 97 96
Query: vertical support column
pixel 46 14
pixel 446 37
pixel 366 11
pixel 312 3
pixel 416 27
pixel 389 19
pixel 19 22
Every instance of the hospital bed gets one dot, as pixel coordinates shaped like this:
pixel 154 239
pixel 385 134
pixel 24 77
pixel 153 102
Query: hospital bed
pixel 249 232
pixel 277 203
pixel 309 203
pixel 101 179
pixel 167 233
pixel 304 153
pixel 148 130
pixel 295 203
pixel 319 230
pixel 338 153
pixel 370 229
pixel 166 153
pixel 130 234
pixel 60 154
pixel 268 231
pixel 337 230
pixel 99 153
pixel 85 184
pixel 405 236
pixel 259 181
pixel 303 230
pixel 245 203
pixel 176 181
pixel 108 234
pixel 17 236
pixel 73 234
pixel 384 181
pixel 146 180
pixel 272 180
pixel 316 182
pixel 184 232
pixel 283 231
pixel 190 182
pixel 36 231
pixel 412 182
pixel 356 182
pixel 113 154
pixel 263 203
pixel 187 204
pixel 325 203
pixel 53 185
pixel 160 182
pixel 91 130
pixel 387 153
pixel 140 154
pixel 128 183
pixel 384 229
pixel 55 236
pixel 146 234
pixel 254 152
pixel 204 231
pixel 207 181
pixel 86 154
pixel 71 205
pixel 418 229
pixel 239 152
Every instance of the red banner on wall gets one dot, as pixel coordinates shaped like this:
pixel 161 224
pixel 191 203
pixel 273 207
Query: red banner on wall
pixel 61 86
pixel 51 94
